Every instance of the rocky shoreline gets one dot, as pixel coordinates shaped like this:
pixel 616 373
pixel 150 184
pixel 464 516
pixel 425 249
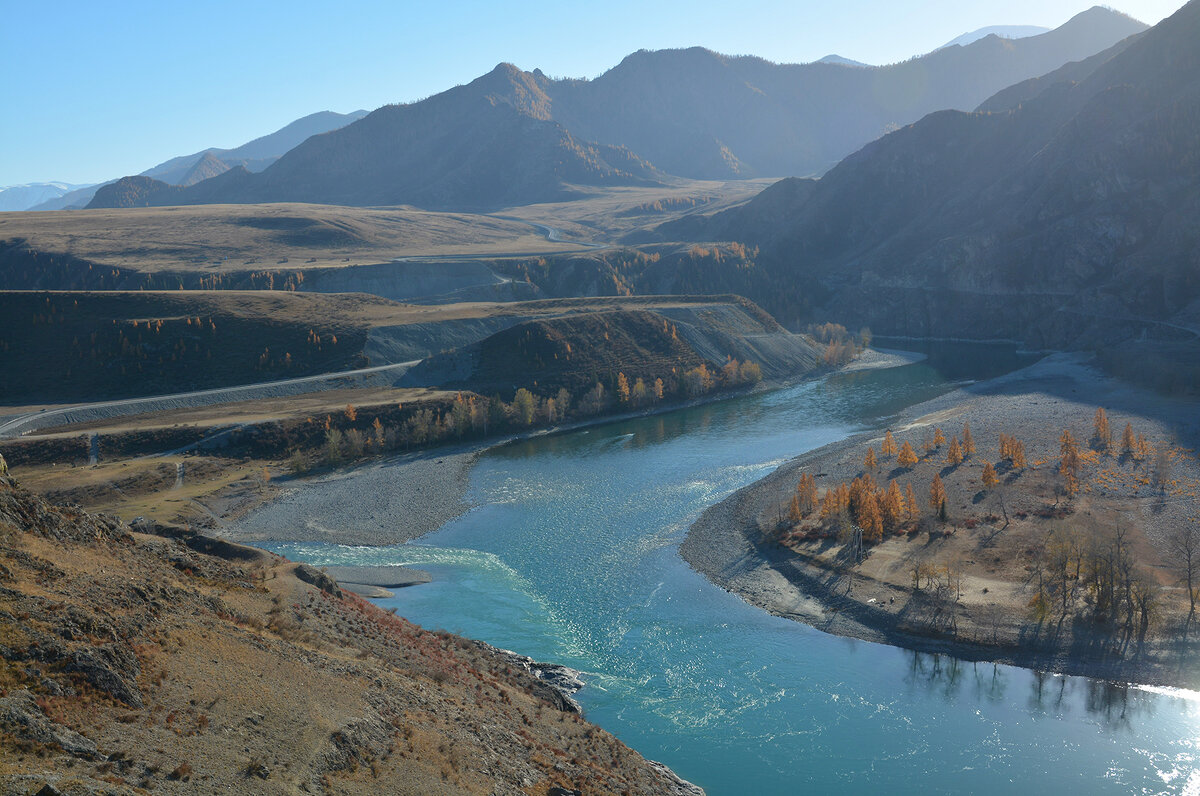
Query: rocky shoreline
pixel 430 486
pixel 726 546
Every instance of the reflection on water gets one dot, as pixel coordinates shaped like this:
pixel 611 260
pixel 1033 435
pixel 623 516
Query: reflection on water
pixel 1114 705
pixel 571 555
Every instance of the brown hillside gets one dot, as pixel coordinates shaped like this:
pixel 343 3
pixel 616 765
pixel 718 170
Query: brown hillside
pixel 572 352
pixel 113 345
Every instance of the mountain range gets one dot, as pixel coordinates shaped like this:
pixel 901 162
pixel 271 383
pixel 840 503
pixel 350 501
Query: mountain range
pixel 185 170
pixel 513 136
pixel 255 155
pixel 1003 31
pixel 1062 213
pixel 23 197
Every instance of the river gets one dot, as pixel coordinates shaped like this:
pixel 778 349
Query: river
pixel 571 555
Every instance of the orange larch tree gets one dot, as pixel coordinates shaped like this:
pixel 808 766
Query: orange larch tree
pixel 870 519
pixel 892 507
pixel 888 448
pixel 968 442
pixel 989 477
pixel 954 456
pixel 1101 433
pixel 910 502
pixel 1068 466
pixel 806 491
pixel 937 497
pixel 907 457
pixel 622 388
pixel 1127 440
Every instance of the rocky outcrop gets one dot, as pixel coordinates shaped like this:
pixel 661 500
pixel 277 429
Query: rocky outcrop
pixel 561 683
pixel 112 668
pixel 389 577
pixel 20 714
pixel 317 578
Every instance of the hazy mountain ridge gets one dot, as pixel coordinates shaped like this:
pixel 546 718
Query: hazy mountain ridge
pixel 488 143
pixel 699 114
pixel 1001 31
pixel 187 170
pixel 255 155
pixel 22 197
pixel 515 137
pixel 1065 221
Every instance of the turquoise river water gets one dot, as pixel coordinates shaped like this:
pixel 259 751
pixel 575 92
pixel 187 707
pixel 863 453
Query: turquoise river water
pixel 571 555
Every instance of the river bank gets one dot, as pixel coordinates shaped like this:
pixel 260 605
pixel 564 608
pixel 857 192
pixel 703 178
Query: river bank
pixel 432 484
pixel 995 558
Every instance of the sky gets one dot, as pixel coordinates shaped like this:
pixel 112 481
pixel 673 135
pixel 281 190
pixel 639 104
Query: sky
pixel 91 91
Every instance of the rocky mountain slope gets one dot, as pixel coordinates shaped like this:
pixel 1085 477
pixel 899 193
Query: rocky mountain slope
pixel 1065 219
pixel 131 661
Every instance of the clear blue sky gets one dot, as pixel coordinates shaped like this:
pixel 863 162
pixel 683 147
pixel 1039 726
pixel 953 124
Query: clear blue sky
pixel 96 90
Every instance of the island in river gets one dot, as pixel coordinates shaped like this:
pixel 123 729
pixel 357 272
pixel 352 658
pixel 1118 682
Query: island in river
pixel 1019 571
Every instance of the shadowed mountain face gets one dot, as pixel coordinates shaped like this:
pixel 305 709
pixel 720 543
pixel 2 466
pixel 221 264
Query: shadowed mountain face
pixel 699 114
pixel 1067 220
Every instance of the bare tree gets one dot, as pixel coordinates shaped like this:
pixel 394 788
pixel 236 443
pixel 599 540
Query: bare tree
pixel 1162 466
pixel 1184 545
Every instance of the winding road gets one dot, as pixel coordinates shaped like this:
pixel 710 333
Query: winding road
pixel 31 421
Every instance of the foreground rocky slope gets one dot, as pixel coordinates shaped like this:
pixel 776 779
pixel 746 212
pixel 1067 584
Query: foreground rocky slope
pixel 133 662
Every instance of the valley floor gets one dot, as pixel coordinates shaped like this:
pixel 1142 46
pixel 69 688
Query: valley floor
pixel 993 540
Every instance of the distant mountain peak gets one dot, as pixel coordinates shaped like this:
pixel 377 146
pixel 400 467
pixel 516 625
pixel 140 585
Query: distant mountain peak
pixel 999 31
pixel 1101 17
pixel 512 86
pixel 838 60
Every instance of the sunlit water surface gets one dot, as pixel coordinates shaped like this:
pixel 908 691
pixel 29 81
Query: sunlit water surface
pixel 571 555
